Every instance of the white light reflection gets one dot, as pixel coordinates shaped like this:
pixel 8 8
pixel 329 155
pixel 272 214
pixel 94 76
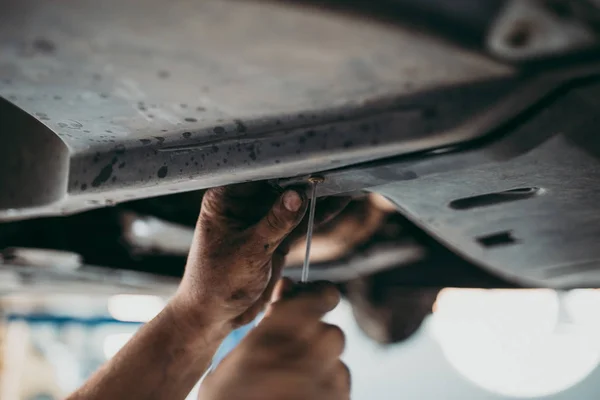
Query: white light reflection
pixel 135 308
pixel 519 343
pixel 115 342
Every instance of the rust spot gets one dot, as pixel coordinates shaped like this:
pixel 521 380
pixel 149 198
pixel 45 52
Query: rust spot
pixel 44 46
pixel 103 176
pixel 240 127
pixel 162 172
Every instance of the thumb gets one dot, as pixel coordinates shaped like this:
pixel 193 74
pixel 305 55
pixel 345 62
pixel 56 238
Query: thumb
pixel 282 218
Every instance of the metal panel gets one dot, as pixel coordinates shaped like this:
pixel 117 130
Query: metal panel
pixel 525 206
pixel 154 96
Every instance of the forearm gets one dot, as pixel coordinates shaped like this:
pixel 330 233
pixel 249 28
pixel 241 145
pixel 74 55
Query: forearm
pixel 164 360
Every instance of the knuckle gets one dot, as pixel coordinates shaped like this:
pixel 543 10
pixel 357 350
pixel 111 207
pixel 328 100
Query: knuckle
pixel 283 313
pixel 303 341
pixel 331 342
pixel 275 223
pixel 214 206
pixel 287 345
pixel 213 198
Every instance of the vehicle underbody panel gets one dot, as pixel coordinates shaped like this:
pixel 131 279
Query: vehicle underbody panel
pixel 486 141
pixel 153 97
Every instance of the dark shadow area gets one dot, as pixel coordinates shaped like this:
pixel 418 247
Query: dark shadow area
pixel 490 199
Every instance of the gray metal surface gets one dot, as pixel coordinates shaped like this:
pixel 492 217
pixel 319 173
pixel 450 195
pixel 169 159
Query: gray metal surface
pixel 150 97
pixel 104 102
pixel 525 206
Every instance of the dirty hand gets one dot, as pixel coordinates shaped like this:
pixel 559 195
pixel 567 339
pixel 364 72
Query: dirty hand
pixel 290 355
pixel 235 260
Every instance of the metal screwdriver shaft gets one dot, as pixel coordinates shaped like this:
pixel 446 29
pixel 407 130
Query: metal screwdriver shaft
pixel 311 222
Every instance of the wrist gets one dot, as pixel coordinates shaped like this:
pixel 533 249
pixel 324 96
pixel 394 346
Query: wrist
pixel 194 323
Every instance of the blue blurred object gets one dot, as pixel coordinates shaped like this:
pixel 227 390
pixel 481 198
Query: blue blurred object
pixel 61 320
pixel 232 341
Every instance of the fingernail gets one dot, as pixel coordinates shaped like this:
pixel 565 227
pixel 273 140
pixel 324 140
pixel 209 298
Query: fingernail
pixel 292 201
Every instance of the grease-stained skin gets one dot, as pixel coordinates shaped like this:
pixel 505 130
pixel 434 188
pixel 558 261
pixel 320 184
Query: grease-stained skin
pixel 233 269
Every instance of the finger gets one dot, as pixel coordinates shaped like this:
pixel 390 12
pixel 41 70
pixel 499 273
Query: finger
pixel 244 204
pixel 305 304
pixel 277 270
pixel 339 381
pixel 330 344
pixel 283 217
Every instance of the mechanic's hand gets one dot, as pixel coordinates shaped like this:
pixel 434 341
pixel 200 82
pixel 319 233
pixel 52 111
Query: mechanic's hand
pixel 235 261
pixel 290 355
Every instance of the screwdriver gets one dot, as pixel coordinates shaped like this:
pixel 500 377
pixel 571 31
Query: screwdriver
pixel 314 181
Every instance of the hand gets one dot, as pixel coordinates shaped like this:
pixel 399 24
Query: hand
pixel 290 355
pixel 237 254
pixel 234 260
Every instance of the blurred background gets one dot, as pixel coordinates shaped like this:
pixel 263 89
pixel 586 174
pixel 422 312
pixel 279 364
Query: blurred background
pixel 481 344
pixel 415 326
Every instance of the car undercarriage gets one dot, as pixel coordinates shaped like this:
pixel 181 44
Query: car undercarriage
pixel 464 132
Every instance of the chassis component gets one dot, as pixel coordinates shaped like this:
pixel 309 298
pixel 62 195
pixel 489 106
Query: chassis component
pixel 491 149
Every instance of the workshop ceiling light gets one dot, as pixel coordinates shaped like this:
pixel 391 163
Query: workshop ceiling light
pixel 519 343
